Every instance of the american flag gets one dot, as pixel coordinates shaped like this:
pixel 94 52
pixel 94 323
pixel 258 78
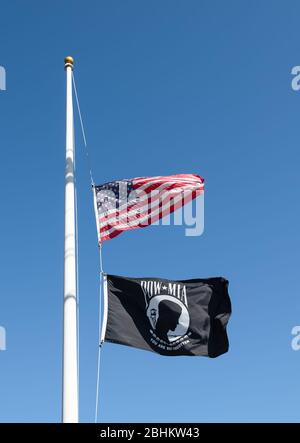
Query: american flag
pixel 129 204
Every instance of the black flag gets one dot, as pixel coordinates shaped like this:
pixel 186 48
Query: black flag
pixel 186 317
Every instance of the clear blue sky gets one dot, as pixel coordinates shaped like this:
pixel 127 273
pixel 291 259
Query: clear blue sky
pixel 166 87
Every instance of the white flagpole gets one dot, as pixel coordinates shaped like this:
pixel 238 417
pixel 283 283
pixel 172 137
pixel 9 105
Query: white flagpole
pixel 70 368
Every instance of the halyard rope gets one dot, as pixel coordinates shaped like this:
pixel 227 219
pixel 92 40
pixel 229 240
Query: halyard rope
pixel 83 131
pixel 100 256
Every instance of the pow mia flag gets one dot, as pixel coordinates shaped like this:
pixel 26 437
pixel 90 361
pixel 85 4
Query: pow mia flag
pixel 186 317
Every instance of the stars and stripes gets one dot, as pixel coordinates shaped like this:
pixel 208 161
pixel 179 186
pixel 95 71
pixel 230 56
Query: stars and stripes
pixel 139 202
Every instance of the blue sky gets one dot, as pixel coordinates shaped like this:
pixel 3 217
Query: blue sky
pixel 166 87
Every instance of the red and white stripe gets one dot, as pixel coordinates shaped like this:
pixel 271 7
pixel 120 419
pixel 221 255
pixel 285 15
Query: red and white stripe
pixel 157 197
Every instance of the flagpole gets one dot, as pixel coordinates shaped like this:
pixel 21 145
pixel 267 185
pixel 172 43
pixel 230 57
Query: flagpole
pixel 70 368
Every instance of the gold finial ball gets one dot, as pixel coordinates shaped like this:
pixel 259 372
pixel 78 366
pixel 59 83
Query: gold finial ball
pixel 69 60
